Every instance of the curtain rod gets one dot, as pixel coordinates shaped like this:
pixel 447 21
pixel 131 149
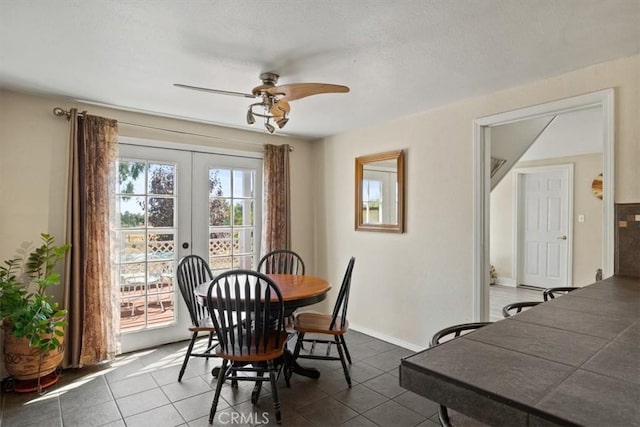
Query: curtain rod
pixel 59 112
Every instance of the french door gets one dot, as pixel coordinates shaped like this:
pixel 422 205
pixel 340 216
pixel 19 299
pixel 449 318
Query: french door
pixel 171 203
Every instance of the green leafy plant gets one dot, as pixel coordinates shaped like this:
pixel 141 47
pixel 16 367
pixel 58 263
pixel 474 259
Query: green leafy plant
pixel 493 274
pixel 25 307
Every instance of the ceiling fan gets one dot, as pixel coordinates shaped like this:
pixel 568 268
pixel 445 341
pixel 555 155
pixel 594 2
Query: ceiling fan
pixel 274 100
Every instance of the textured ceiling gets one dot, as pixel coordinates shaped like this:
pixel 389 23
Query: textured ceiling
pixel 398 57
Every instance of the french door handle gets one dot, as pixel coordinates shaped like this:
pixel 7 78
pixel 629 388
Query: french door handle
pixel 563 237
pixel 185 245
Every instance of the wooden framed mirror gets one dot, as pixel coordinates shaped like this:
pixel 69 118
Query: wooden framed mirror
pixel 379 198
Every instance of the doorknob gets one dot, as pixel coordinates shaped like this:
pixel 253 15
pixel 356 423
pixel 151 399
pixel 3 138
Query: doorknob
pixel 563 237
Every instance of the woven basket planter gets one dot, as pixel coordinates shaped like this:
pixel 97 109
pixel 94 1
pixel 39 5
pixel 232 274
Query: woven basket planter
pixel 23 362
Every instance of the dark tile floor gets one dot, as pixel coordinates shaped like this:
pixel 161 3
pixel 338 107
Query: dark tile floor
pixel 141 389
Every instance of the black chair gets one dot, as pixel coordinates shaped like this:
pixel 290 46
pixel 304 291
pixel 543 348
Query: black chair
pixel 193 271
pixel 452 332
pixel 508 309
pixel 551 293
pixel 247 311
pixel 335 324
pixel 281 261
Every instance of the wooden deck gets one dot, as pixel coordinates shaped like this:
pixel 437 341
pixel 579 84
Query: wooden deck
pixel 135 313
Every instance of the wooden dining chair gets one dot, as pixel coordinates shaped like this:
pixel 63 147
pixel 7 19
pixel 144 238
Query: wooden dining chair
pixel 192 271
pixel 282 261
pixel 247 311
pixel 551 293
pixel 439 337
pixel 334 324
pixel 508 310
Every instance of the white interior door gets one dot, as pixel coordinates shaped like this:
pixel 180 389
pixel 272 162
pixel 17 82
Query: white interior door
pixel 544 227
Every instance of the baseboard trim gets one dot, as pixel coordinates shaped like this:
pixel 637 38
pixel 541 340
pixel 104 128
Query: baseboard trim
pixel 387 338
pixel 506 281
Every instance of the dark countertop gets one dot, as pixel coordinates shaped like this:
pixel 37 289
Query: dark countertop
pixel 574 360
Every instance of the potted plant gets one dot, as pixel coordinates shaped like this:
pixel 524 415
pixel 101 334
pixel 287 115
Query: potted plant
pixel 32 322
pixel 493 275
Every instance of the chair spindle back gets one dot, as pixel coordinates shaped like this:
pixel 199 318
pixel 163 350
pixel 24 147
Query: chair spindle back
pixel 246 307
pixel 342 302
pixel 192 271
pixel 551 293
pixel 456 331
pixel 518 307
pixel 281 261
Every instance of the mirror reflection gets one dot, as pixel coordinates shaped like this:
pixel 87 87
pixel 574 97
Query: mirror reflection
pixel 379 192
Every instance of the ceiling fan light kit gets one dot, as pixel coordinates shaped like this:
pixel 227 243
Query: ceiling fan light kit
pixel 250 118
pixel 274 102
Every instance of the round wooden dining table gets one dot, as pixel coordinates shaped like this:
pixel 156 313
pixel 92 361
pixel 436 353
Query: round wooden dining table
pixel 300 290
pixel 297 291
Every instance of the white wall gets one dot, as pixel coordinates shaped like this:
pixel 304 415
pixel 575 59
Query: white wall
pixel 409 285
pixel 587 235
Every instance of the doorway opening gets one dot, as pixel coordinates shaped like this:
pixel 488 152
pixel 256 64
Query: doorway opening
pixel 482 188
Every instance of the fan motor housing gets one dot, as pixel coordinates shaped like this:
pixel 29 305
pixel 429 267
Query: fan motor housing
pixel 269 78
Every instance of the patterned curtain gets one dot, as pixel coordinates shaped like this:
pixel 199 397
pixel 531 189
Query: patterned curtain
pixel 89 294
pixel 276 228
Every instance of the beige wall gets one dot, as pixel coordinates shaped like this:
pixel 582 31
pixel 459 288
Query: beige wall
pixel 33 165
pixel 587 235
pixel 408 286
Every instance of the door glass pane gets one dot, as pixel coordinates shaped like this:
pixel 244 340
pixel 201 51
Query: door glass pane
pixel 131 175
pixel 220 264
pixel 243 260
pixel 161 179
pixel 231 218
pixel 243 212
pixel 220 182
pixel 161 246
pixel 131 246
pixel 242 183
pixel 147 248
pixel 244 241
pixel 131 211
pixel 219 212
pixel 161 212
